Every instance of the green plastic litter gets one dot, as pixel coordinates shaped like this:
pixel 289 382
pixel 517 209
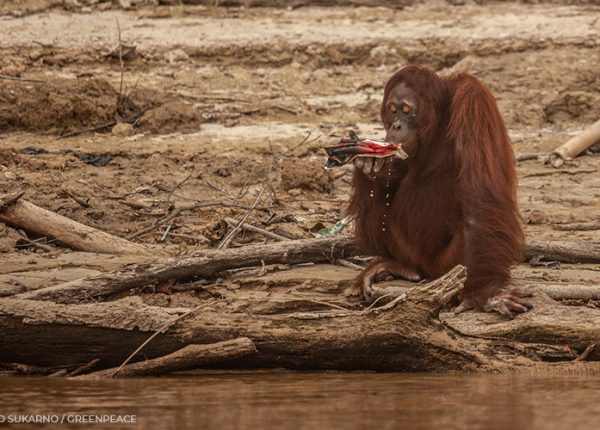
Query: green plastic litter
pixel 337 228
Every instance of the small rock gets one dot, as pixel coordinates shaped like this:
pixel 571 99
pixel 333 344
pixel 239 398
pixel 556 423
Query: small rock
pixel 176 56
pixel 385 55
pixel 10 176
pixel 122 129
pixel 321 74
pixel 223 172
pixel 104 6
pixel 33 150
pixel 11 70
pixel 537 217
pixel 207 72
pixel 93 159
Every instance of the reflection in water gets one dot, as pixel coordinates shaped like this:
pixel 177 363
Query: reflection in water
pixel 319 401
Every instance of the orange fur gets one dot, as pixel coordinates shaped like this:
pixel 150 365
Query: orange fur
pixel 454 200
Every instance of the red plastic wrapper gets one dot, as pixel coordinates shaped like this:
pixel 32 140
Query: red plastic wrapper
pixel 349 149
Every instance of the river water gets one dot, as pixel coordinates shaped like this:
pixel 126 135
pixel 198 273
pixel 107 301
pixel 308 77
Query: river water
pixel 309 401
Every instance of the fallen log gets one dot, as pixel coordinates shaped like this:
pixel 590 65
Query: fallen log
pixel 25 369
pixel 576 145
pixel 404 334
pixel 569 291
pixel 18 212
pixel 188 357
pixel 393 4
pixel 578 226
pixel 564 251
pixel 209 263
pixel 205 265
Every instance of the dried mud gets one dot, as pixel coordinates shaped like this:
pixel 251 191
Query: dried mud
pixel 64 106
pixel 223 101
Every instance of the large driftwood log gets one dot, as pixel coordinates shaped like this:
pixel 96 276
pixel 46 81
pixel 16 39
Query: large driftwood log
pixel 404 334
pixel 206 265
pixel 23 214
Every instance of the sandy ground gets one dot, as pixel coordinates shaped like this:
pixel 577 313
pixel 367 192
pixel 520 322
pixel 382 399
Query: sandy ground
pixel 223 100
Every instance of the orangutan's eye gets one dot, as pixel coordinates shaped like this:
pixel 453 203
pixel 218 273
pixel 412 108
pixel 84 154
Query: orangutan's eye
pixel 405 108
pixel 392 107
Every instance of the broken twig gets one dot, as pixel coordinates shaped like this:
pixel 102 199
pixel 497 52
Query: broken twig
pixel 254 229
pixel 229 237
pixel 16 78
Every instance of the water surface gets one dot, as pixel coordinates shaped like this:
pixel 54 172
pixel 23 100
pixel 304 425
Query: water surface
pixel 317 401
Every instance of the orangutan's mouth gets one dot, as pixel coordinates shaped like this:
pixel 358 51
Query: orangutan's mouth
pixel 348 150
